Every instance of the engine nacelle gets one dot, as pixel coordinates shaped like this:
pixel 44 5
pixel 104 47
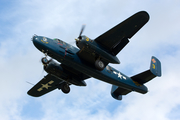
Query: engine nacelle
pixel 54 68
pixel 95 50
pixel 81 43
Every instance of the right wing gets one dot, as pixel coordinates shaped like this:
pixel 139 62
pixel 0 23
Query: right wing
pixel 47 84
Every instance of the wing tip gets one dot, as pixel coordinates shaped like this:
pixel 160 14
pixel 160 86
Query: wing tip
pixel 144 14
pixel 33 95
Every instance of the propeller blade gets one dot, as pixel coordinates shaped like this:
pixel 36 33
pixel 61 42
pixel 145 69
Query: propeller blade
pixel 82 29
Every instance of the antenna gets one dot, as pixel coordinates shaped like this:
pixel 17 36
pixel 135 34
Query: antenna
pixel 29 83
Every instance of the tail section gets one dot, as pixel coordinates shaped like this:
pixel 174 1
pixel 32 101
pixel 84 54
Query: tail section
pixel 139 79
pixel 155 70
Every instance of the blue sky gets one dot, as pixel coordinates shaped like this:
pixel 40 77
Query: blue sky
pixel 20 60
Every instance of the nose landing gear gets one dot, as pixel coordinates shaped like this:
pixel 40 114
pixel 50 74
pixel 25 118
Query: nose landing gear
pixel 44 60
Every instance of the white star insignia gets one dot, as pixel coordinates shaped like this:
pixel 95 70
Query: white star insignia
pixel 119 75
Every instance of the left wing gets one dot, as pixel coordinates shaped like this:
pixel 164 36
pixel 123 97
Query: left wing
pixel 47 84
pixel 116 38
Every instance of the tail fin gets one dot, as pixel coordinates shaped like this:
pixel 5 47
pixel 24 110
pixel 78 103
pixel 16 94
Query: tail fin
pixel 155 70
pixel 155 66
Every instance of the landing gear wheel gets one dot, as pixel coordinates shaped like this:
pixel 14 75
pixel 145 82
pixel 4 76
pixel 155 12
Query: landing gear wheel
pixel 44 60
pixel 99 65
pixel 65 88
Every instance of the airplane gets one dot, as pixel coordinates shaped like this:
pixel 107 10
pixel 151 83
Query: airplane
pixel 90 58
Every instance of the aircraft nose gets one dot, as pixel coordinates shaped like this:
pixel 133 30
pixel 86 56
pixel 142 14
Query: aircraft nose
pixel 39 43
pixel 34 38
pixel 36 41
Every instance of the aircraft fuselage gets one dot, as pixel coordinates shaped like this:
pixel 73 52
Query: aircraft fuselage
pixel 66 54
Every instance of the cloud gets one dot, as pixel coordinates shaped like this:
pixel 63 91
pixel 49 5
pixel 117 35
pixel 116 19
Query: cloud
pixel 19 60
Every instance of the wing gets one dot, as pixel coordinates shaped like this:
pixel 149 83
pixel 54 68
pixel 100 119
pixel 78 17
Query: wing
pixel 47 84
pixel 116 38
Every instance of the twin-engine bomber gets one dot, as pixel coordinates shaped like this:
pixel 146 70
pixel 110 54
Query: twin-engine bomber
pixel 91 59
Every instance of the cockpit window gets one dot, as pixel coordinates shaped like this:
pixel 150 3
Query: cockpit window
pixel 44 39
pixel 58 40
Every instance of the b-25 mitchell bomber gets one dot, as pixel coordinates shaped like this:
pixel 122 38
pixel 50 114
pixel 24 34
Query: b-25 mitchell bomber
pixel 91 59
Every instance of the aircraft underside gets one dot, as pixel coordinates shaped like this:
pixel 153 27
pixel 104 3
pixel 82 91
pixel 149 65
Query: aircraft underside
pixel 91 59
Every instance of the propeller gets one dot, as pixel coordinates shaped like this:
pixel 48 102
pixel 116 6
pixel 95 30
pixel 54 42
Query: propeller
pixel 82 29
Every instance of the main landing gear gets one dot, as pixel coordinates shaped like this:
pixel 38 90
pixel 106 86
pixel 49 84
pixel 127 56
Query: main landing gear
pixel 99 65
pixel 64 87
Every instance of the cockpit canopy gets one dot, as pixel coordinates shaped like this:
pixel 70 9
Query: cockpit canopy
pixel 59 41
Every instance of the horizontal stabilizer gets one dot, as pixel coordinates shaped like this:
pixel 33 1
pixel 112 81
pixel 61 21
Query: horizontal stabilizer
pixel 155 70
pixel 117 92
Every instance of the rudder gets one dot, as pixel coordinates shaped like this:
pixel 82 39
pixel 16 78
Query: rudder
pixel 155 66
